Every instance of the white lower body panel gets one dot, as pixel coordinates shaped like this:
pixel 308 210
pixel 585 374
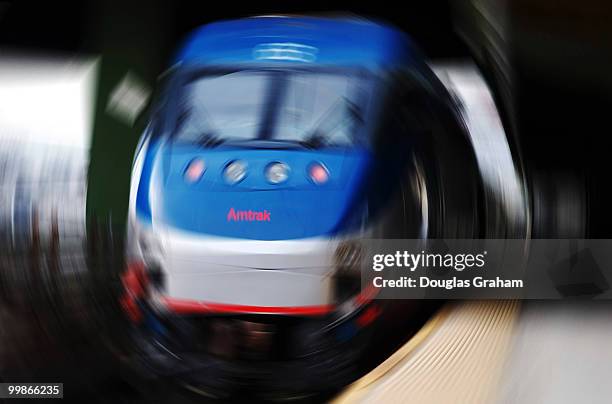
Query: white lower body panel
pixel 287 273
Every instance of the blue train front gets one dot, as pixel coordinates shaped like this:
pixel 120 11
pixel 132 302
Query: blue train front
pixel 268 156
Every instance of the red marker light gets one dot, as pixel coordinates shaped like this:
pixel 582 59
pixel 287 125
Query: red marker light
pixel 194 170
pixel 318 173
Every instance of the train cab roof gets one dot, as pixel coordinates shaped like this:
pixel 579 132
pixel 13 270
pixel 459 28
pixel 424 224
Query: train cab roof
pixel 295 40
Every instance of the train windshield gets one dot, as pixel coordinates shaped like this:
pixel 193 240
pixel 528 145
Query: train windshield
pixel 284 108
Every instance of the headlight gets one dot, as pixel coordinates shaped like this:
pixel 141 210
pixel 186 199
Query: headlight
pixel 145 245
pixel 277 172
pixel 235 171
pixel 349 256
pixel 149 243
pixel 348 259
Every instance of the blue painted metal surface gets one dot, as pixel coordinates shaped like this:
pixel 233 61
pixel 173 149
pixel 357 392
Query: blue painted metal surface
pixel 297 208
pixel 324 41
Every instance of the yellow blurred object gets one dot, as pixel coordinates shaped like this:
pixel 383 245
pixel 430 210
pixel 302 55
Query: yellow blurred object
pixel 457 357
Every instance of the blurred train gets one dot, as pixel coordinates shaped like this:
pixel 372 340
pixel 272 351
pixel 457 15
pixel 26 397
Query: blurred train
pixel 275 146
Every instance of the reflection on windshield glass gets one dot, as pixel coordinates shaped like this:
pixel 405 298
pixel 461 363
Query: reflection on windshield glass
pixel 313 109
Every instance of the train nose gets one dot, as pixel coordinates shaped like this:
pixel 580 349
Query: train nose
pixel 258 194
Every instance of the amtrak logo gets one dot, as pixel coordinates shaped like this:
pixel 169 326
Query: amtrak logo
pixel 248 216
